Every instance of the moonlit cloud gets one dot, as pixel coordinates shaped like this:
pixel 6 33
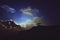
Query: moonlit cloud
pixel 29 23
pixel 27 11
pixel 8 9
pixel 39 20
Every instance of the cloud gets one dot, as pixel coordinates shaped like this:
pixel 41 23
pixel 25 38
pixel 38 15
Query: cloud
pixel 29 23
pixel 39 20
pixel 8 8
pixel 29 11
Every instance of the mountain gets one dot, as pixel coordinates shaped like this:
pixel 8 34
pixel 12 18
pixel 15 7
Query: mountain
pixel 9 25
pixel 11 31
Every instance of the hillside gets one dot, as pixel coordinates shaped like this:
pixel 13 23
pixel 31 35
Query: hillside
pixel 15 32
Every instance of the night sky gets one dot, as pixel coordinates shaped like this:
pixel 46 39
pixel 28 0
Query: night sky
pixel 48 9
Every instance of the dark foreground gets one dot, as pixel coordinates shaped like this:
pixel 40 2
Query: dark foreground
pixel 37 33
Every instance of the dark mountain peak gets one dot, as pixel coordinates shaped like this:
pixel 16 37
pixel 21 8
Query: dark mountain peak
pixel 9 25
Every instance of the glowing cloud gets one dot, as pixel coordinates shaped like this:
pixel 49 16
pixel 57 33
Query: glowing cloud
pixel 39 20
pixel 29 23
pixel 8 8
pixel 27 11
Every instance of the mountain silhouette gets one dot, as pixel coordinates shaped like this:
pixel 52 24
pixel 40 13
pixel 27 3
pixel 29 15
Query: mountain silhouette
pixel 9 30
pixel 9 25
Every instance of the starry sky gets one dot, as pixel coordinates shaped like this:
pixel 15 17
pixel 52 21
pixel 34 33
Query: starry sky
pixel 49 10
